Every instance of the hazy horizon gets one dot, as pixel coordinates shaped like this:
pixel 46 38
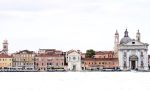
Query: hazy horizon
pixel 71 24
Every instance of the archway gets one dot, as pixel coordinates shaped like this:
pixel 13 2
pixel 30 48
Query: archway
pixel 133 62
pixel 74 68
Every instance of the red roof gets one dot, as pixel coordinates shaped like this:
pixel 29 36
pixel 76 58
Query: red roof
pixel 104 52
pixel 49 55
pixel 99 59
pixel 5 56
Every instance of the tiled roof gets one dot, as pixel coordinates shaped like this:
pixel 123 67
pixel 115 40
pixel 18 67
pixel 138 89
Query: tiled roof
pixel 104 52
pixel 25 51
pixel 49 55
pixel 99 59
pixel 5 56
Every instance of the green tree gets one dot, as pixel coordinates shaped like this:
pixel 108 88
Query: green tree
pixel 89 53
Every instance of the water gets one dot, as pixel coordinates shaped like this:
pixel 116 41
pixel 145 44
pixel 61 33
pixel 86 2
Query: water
pixel 75 80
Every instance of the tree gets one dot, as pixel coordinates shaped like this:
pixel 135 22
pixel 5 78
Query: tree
pixel 89 53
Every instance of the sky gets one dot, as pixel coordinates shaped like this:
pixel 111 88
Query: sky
pixel 71 24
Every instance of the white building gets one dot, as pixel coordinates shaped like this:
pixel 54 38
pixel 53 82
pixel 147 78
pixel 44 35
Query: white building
pixel 132 53
pixel 74 60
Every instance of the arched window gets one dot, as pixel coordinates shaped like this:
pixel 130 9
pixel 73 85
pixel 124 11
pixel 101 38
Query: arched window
pixel 124 54
pixel 125 65
pixel 142 64
pixel 142 54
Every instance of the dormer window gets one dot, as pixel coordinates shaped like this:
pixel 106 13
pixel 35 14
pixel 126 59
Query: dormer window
pixel 133 42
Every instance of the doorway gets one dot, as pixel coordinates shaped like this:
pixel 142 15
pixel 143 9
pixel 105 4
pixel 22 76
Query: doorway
pixel 133 59
pixel 74 68
pixel 133 65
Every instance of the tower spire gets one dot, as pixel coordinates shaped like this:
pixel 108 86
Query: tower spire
pixel 116 32
pixel 116 42
pixel 126 33
pixel 138 36
pixel 5 46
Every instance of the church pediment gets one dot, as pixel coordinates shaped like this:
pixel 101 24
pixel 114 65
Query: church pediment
pixel 135 42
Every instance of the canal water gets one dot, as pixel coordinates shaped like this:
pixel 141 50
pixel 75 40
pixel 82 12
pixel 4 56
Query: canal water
pixel 74 81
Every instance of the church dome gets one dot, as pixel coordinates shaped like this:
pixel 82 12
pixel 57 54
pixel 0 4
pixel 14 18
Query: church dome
pixel 126 38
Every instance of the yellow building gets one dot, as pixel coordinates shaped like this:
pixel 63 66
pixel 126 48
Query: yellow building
pixel 6 61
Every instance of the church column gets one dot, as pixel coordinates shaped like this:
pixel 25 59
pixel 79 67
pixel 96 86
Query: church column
pixel 129 62
pixel 139 59
pixel 145 60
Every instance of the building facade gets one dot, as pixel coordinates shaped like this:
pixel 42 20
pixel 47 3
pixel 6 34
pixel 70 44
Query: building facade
pixel 24 60
pixel 48 62
pixel 73 58
pixel 133 53
pixel 101 60
pixel 6 61
pixel 49 59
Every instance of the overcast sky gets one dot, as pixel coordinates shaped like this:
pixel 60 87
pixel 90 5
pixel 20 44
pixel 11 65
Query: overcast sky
pixel 71 24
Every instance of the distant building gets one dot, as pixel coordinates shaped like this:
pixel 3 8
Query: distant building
pixel 6 61
pixel 149 61
pixel 5 47
pixel 24 60
pixel 49 59
pixel 73 58
pixel 49 51
pixel 133 53
pixel 101 60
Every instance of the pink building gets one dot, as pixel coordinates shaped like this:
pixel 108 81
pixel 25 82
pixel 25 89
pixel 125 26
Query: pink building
pixel 104 54
pixel 49 59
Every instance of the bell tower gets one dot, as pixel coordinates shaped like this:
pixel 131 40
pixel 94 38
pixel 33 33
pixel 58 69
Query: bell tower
pixel 116 42
pixel 5 47
pixel 138 36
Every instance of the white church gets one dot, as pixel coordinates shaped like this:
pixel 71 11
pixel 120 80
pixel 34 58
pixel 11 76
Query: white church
pixel 74 60
pixel 132 53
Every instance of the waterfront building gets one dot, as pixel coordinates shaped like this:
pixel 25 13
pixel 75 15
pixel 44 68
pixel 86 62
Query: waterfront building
pixel 101 60
pixel 132 53
pixel 6 61
pixel 24 60
pixel 49 59
pixel 73 58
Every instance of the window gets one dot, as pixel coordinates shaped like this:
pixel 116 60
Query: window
pixel 142 54
pixel 125 54
pixel 133 42
pixel 74 58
